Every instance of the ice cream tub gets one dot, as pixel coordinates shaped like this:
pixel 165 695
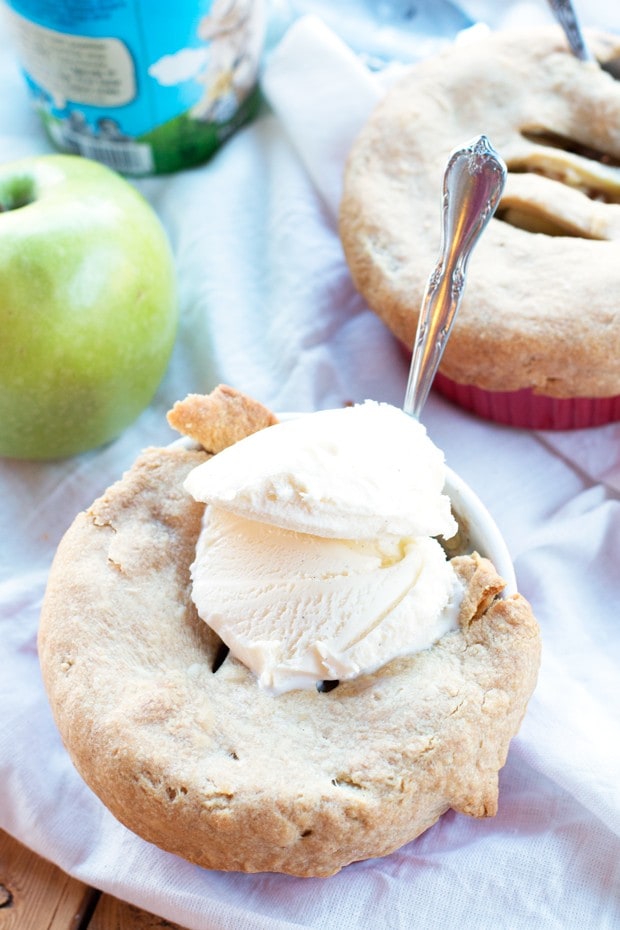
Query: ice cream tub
pixel 144 88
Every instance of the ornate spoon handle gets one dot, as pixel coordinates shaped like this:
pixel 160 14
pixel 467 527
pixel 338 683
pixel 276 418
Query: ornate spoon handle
pixel 473 183
pixel 564 12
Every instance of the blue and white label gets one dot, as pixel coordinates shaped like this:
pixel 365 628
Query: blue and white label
pixel 143 87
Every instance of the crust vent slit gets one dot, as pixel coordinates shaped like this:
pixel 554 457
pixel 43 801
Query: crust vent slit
pixel 559 186
pixel 554 140
pixel 325 686
pixel 220 657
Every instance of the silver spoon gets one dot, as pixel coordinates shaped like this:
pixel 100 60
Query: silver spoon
pixel 473 183
pixel 566 15
pixel 564 12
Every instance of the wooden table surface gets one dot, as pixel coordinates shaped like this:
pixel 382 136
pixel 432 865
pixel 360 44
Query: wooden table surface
pixel 36 895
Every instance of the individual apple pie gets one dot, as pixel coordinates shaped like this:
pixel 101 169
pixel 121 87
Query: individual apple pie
pixel 537 340
pixel 248 709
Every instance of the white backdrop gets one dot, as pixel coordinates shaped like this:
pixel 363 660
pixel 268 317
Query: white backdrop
pixel 267 305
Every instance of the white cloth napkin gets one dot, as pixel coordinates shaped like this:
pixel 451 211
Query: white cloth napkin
pixel 267 305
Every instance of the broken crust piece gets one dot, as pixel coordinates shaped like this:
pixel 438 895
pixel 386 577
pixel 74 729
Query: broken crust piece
pixel 219 419
pixel 193 756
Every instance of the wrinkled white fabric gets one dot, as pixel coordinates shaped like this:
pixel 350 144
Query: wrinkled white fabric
pixel 268 306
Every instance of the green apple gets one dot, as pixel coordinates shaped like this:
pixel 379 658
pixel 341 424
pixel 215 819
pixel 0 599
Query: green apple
pixel 88 310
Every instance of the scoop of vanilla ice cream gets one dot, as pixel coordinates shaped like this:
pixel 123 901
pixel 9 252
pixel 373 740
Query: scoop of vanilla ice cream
pixel 349 473
pixel 316 558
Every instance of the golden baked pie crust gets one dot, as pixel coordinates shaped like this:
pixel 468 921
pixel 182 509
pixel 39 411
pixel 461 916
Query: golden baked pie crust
pixel 208 766
pixel 539 311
